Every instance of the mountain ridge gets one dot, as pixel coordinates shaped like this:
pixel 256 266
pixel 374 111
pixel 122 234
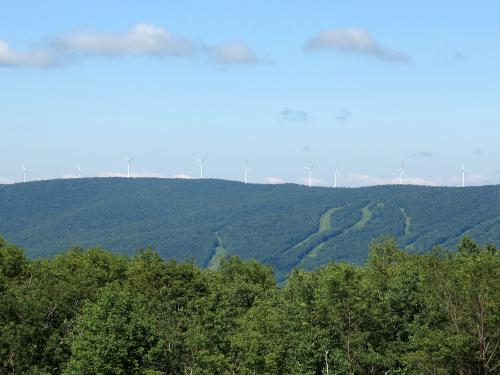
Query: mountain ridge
pixel 282 225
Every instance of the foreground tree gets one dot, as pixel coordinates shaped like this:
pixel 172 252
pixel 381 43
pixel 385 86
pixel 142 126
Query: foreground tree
pixel 113 335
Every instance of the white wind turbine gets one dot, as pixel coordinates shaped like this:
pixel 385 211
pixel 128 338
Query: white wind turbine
pixel 464 172
pixel 247 169
pixel 337 175
pixel 79 173
pixel 25 172
pixel 310 169
pixel 402 173
pixel 202 162
pixel 129 160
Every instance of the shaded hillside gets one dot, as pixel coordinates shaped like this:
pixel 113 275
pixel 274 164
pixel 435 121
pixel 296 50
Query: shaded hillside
pixel 283 225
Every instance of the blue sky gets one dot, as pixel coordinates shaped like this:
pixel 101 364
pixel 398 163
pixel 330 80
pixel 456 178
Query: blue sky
pixel 281 84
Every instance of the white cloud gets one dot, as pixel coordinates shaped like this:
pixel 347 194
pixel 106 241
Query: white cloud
pixel 69 176
pixel 234 52
pixel 367 180
pixel 5 181
pixel 141 38
pixel 314 181
pixel 39 58
pixel 182 175
pixel 475 178
pixel 354 40
pixel 273 180
pixel 132 174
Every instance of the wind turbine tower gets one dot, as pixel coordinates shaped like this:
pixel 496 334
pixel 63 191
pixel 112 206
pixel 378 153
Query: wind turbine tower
pixel 337 175
pixel 25 172
pixel 464 172
pixel 402 173
pixel 129 160
pixel 310 169
pixel 79 173
pixel 247 169
pixel 202 162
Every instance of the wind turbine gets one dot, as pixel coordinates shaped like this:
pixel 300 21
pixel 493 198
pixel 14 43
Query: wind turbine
pixel 79 174
pixel 337 174
pixel 129 160
pixel 25 172
pixel 310 169
pixel 247 169
pixel 464 172
pixel 402 173
pixel 202 162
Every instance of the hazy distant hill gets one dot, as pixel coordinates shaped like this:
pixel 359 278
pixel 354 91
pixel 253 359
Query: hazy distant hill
pixel 284 225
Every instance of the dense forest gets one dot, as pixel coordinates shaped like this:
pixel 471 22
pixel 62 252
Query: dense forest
pixel 286 226
pixel 98 312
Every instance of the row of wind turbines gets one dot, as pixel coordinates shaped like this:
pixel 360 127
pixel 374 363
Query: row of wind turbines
pixel 246 167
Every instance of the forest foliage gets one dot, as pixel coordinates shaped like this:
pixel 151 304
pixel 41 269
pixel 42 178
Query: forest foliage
pixel 97 312
pixel 279 225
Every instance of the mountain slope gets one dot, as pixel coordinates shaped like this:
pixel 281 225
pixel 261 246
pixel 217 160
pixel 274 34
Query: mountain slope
pixel 284 225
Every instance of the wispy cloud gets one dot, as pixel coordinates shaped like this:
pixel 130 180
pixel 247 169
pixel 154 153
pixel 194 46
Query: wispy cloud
pixel 133 174
pixel 460 56
pixel 183 176
pixel 314 181
pixel 354 40
pixel 475 178
pixel 140 39
pixel 273 180
pixel 367 180
pixel 478 152
pixel 5 181
pixel 344 115
pixel 37 57
pixel 233 52
pixel 289 114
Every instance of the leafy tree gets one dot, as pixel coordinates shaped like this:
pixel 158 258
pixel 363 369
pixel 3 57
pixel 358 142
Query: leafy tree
pixel 113 335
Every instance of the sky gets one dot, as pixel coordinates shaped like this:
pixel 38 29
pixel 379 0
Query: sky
pixel 365 85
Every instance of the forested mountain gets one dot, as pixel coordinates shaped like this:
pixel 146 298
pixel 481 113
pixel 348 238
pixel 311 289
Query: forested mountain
pixel 286 226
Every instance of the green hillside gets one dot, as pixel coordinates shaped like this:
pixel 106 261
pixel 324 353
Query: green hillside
pixel 286 226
